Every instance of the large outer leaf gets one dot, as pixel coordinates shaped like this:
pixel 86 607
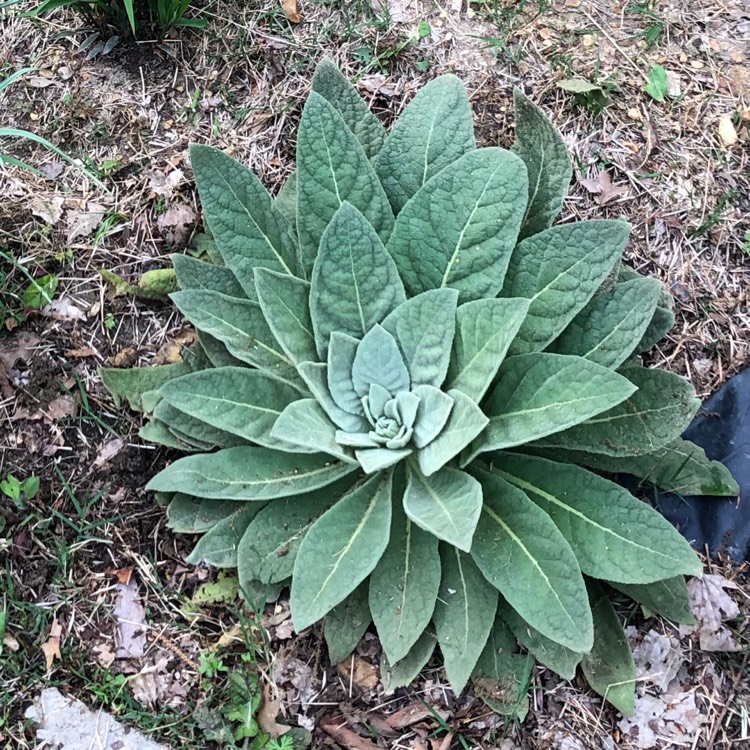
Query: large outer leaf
pixel 346 623
pixel 663 319
pixel 192 273
pixel 340 550
pixel 464 614
pixel 610 327
pixel 609 668
pixel 539 394
pixel 133 382
pixel 486 328
pixel 240 325
pixel 559 659
pixel 446 504
pixel 217 352
pixel 680 466
pixel 246 225
pixel 523 554
pixel 332 168
pixel 239 400
pixel 329 82
pixel 546 157
pixel 270 544
pixel 668 598
pixel 404 586
pixel 219 546
pixel 614 535
pixel 404 672
pixel 355 283
pixel 249 473
pixel 435 129
pixel 423 326
pixel 284 301
pixel 195 515
pixel 559 270
pixel 194 430
pixel 460 229
pixel 465 422
pixel 654 416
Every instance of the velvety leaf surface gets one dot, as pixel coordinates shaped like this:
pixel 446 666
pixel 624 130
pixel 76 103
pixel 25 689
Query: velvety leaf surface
pixel 663 320
pixel 246 225
pixel 501 677
pixel 545 155
pixel 653 417
pixel 192 273
pixel 341 352
pixel 239 400
pixel 378 360
pixel 668 598
pixel 485 330
pixel 435 129
pixel 355 283
pixel 194 430
pixel 424 326
pixel 614 535
pixel 218 547
pixel 133 382
pixel 217 352
pixel 608 330
pixel 377 459
pixel 286 200
pixel 340 550
pixel 315 375
pixel 523 554
pixel 559 270
pixel 446 504
pixel 680 466
pixel 284 301
pixel 465 422
pixel 404 586
pixel 240 324
pixel 346 623
pixel 404 672
pixel 539 394
pixel 609 668
pixel 559 659
pixel 194 515
pixel 332 168
pixel 331 84
pixel 157 432
pixel 460 228
pixel 249 473
pixel 433 412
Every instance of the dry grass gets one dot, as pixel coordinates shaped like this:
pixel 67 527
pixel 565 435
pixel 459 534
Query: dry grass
pixel 240 86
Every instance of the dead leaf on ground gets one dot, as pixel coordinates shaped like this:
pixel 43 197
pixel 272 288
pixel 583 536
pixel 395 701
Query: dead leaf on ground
pixel 104 654
pixel 288 670
pixel 51 647
pixel 165 184
pixel 154 685
pixel 63 309
pixel 59 408
pixel 411 714
pixel 171 352
pixel 602 187
pixel 727 132
pixel 48 208
pixel 19 347
pixel 108 451
pixel 291 10
pixel 83 223
pixel 358 672
pixel 131 621
pixel 711 606
pixel 85 351
pixel 335 726
pixel 176 223
pixel 269 710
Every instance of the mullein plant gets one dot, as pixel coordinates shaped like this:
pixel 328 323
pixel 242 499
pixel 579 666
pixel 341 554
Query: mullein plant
pixel 407 387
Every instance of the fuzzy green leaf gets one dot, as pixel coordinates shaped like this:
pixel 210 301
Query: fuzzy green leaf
pixel 192 273
pixel 346 623
pixel 539 394
pixel 249 473
pixel 132 383
pixel 195 515
pixel 284 301
pixel 663 319
pixel 433 412
pixel 194 430
pixel 486 328
pixel 614 535
pixel 404 672
pixel 609 668
pixel 480 199
pixel 378 360
pixel 355 283
pixel 668 598
pixel 464 614
pixel 608 330
pixel 157 432
pixel 332 168
pixel 329 82
pixel 465 422
pixel 559 659
pixel 376 459
pixel 559 270
pixel 404 586
pixel 424 326
pixel 340 550
pixel 523 554
pixel 246 225
pixel 342 350
pixel 217 352
pixel 447 504
pixel 435 129
pixel 219 546
pixel 238 400
pixel 315 375
pixel 546 157
pixel 286 200
pixel 653 417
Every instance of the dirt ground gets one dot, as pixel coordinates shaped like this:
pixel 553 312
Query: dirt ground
pixel 72 556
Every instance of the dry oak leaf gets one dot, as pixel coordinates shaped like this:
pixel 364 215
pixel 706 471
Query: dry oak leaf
pixel 357 671
pixel 51 647
pixel 291 10
pixel 603 188
pixel 269 710
pixel 711 606
pixel 727 133
pixel 336 727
